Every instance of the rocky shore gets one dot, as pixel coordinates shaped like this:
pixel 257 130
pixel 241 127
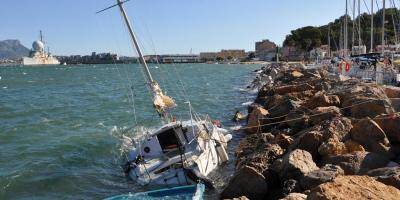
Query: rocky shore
pixel 315 135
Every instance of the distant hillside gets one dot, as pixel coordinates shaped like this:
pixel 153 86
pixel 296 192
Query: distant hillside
pixel 12 49
pixel 307 38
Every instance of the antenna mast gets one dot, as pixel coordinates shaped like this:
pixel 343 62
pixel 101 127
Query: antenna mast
pixel 41 36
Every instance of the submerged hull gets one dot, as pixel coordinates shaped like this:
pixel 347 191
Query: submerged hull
pixel 40 61
pixel 199 149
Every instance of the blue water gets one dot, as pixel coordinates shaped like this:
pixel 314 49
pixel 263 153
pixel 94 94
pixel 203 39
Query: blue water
pixel 59 135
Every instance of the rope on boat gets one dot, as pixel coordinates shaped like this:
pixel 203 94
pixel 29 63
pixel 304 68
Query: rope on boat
pixel 300 118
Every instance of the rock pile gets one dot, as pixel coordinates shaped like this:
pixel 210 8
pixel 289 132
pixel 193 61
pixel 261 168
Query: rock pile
pixel 315 135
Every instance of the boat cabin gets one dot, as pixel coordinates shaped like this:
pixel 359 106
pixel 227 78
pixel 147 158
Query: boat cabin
pixel 169 140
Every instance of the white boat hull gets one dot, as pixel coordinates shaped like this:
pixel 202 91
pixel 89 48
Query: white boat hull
pixel 202 153
pixel 40 61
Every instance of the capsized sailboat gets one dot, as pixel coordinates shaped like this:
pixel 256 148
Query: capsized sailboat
pixel 179 152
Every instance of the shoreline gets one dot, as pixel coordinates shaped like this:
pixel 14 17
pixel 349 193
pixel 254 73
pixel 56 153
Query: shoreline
pixel 309 131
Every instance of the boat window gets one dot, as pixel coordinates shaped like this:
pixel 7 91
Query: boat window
pixel 168 140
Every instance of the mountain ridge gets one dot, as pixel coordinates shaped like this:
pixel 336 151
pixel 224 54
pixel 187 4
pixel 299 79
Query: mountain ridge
pixel 12 49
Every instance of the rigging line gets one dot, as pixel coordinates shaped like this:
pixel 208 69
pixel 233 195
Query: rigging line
pixel 126 86
pixel 129 86
pixel 141 69
pixel 296 119
pixel 366 6
pixel 177 91
pixel 161 67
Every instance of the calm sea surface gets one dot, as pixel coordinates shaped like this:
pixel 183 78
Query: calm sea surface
pixel 60 126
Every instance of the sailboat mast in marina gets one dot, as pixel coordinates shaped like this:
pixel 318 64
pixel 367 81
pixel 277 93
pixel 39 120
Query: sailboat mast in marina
pixel 178 152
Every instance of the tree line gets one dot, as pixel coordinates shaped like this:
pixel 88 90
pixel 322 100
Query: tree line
pixel 309 37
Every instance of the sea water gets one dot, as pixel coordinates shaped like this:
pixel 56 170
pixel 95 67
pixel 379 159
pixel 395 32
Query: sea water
pixel 61 126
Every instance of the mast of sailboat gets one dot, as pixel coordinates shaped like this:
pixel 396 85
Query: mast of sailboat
pixel 372 27
pixel 329 40
pixel 346 30
pixel 383 26
pixel 161 102
pixel 136 45
pixel 359 24
pixel 354 24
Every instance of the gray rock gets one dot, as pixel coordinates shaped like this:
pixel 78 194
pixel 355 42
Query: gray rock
pixel 387 175
pixel 323 175
pixel 368 133
pixel 357 162
pixel 296 164
pixel 246 182
pixel 290 186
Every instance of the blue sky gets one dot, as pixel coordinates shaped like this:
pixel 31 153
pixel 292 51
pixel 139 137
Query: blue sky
pixel 163 26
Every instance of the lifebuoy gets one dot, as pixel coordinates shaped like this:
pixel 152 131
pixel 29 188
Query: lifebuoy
pixel 347 67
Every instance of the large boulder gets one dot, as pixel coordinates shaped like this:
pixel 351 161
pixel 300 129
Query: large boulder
pixel 297 119
pixel 392 92
pixel 338 127
pixel 325 174
pixel 255 120
pixel 296 164
pixel 396 104
pixel 322 100
pixel 293 88
pixel 321 114
pixel 357 162
pixel 354 187
pixel 257 151
pixel 390 124
pixel 387 175
pixel 310 139
pixel 370 135
pixel 360 107
pixel 246 182
pixel 283 107
pixel 334 147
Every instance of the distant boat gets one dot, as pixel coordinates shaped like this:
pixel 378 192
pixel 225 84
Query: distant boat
pixel 179 152
pixel 194 192
pixel 38 56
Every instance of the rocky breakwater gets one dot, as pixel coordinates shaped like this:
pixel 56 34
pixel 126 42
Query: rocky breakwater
pixel 315 135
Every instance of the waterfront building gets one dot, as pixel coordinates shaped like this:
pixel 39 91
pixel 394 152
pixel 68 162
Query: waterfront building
pixel 265 50
pixel 102 58
pixel 232 54
pixel 180 58
pixel 208 56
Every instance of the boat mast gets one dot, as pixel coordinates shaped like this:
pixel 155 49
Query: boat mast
pixel 346 30
pixel 329 40
pixel 359 25
pixel 136 45
pixel 383 27
pixel 161 102
pixel 354 24
pixel 372 27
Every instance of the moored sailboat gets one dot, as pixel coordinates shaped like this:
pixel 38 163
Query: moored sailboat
pixel 179 152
